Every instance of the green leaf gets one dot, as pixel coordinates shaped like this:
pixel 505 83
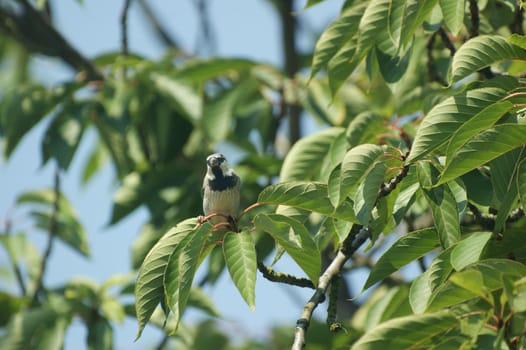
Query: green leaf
pixel 28 328
pixel 453 11
pixel 357 165
pixel 409 332
pixel 484 147
pixel 201 70
pixel 469 249
pixel 182 94
pixel 310 196
pixel 492 272
pixel 336 35
pixel 295 239
pixel 21 109
pixel 303 162
pixel 240 257
pixel 63 135
pixel 480 52
pixel 425 285
pixel 367 192
pixel 447 116
pixel 405 250
pixel 365 127
pixel 414 14
pixel 442 203
pixel 100 335
pixel 149 288
pixel 480 122
pixel 521 182
pixel 180 270
pixel 200 300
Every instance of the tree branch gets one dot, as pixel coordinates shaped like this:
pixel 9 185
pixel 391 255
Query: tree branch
pixel 52 232
pixel 274 276
pixel 291 61
pixel 357 236
pixel 124 27
pixel 33 30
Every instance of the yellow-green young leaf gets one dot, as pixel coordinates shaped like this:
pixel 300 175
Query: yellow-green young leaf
pixel 200 70
pixel 492 271
pixel 408 331
pixel 425 285
pixel 240 257
pixel 480 52
pixel 447 116
pixel 304 160
pixel 453 11
pixel 442 204
pixel 356 165
pixel 484 147
pixel 295 239
pixel 483 120
pixel 405 250
pixel 149 287
pixel 469 250
pixel 180 270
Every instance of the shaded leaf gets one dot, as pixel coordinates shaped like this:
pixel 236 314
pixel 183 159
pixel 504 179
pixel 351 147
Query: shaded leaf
pixel 405 250
pixel 424 285
pixel 182 94
pixel 442 203
pixel 521 181
pixel 365 127
pixel 240 256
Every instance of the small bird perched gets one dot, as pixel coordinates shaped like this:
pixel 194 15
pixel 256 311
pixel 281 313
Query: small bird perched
pixel 220 188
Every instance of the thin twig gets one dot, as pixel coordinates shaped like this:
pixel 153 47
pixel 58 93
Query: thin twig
pixel 166 38
pixel 124 27
pixel 52 232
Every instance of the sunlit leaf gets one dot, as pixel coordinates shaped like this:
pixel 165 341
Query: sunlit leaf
pixel 480 52
pixel 310 196
pixel 295 239
pixel 240 257
pixel 447 116
pixel 149 288
pixel 453 11
pixel 469 249
pixel 365 127
pixel 303 162
pixel 484 147
pixel 407 332
pixel 181 267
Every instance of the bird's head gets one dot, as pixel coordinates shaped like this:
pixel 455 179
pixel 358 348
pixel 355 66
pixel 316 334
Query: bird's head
pixel 217 164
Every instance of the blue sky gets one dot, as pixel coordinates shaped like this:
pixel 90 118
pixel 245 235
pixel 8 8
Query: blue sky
pixel 245 28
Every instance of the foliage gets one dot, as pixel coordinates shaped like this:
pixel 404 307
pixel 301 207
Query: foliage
pixel 420 153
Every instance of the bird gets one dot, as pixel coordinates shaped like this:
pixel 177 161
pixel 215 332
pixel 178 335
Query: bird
pixel 220 189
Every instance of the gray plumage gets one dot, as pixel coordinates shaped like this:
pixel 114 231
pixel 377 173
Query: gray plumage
pixel 220 187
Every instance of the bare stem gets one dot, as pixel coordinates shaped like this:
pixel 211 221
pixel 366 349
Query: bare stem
pixel 52 232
